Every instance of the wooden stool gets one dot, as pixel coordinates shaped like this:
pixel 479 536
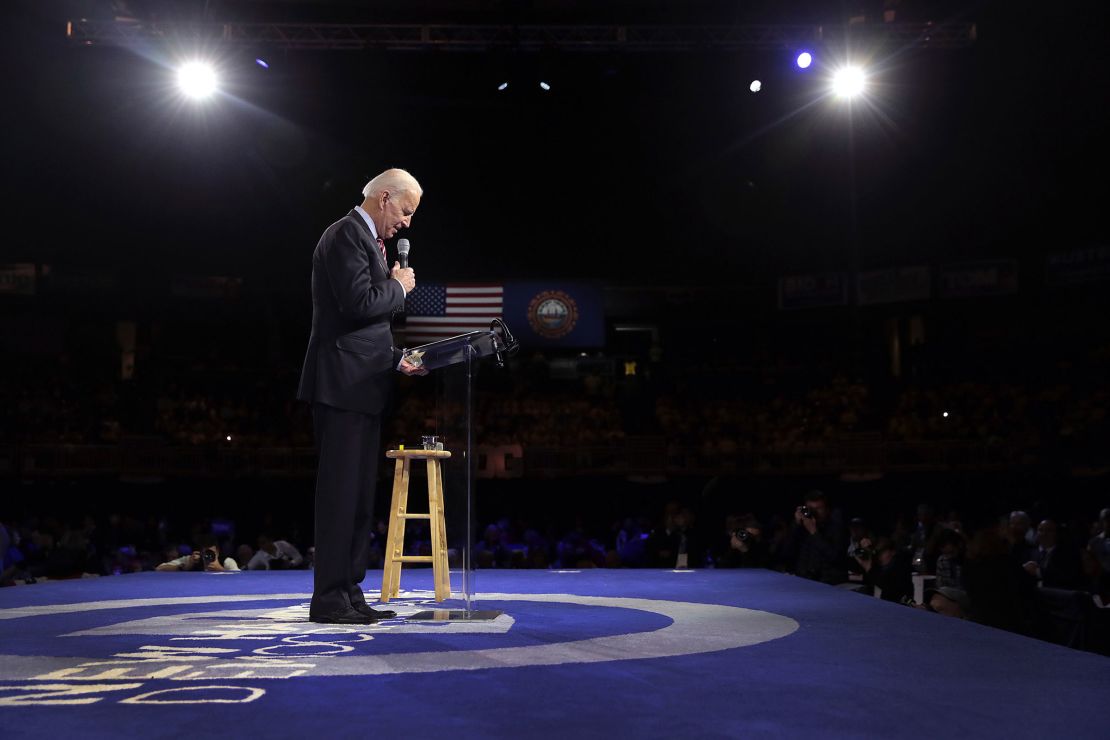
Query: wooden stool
pixel 398 513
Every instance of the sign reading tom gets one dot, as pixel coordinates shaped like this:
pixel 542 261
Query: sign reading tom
pixel 979 278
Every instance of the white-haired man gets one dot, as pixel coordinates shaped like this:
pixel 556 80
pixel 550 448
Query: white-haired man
pixel 347 377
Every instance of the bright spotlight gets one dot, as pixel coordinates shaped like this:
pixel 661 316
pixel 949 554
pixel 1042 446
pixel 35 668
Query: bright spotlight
pixel 197 80
pixel 848 82
pixel 262 63
pixel 804 60
pixel 503 86
pixel 756 86
pixel 545 86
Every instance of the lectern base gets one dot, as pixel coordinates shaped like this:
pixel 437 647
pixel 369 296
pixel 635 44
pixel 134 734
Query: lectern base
pixel 455 615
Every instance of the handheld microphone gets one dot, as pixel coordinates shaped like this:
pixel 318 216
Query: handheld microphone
pixel 403 247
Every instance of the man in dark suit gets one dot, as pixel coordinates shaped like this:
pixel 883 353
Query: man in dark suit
pixel 347 377
pixel 1054 564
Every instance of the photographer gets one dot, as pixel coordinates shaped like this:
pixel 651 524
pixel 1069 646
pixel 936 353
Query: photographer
pixel 743 546
pixel 857 533
pixel 819 541
pixel 886 569
pixel 275 555
pixel 205 557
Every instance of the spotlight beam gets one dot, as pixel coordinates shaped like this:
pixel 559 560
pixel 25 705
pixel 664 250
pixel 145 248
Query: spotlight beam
pixel 849 82
pixel 197 80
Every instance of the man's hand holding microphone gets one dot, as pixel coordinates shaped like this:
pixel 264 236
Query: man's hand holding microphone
pixel 405 275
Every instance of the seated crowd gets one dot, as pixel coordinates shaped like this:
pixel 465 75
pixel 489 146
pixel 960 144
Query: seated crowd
pixel 250 411
pixel 1047 579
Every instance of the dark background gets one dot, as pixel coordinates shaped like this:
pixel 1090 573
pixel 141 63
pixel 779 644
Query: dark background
pixel 658 174
pixel 635 167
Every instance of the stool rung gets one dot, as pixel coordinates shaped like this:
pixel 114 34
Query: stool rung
pixel 413 559
pixel 416 516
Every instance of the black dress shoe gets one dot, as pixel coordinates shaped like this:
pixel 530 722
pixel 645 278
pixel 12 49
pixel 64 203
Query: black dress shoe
pixel 376 614
pixel 343 616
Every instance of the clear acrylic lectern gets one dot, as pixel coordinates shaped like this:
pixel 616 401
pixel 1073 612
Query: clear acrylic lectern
pixel 453 364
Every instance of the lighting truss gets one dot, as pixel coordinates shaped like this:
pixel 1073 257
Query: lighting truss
pixel 356 37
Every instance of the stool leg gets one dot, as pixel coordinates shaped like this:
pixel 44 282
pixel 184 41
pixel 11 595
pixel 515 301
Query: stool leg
pixel 395 540
pixel 443 531
pixel 434 521
pixel 441 569
pixel 402 509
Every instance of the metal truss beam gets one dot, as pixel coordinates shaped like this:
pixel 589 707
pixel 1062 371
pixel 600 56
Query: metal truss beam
pixel 352 37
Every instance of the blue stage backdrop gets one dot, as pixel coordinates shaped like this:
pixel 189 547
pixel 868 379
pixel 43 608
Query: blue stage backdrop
pixel 555 314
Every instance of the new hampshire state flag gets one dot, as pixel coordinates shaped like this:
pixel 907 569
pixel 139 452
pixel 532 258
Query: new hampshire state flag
pixel 555 314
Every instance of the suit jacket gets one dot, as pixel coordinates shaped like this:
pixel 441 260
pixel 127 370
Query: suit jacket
pixel 1062 568
pixel 351 359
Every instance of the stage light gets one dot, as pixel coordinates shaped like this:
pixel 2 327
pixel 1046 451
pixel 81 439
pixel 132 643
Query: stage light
pixel 197 80
pixel 944 414
pixel 756 86
pixel 229 438
pixel 848 82
pixel 804 60
pixel 503 86
pixel 262 63
pixel 544 86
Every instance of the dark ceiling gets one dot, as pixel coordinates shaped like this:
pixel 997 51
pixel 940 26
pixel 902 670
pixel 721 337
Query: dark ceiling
pixel 658 167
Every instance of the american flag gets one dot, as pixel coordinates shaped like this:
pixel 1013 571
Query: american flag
pixel 436 312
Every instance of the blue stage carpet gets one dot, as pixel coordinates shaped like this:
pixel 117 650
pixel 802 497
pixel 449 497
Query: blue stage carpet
pixel 605 653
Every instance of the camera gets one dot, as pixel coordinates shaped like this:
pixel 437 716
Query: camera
pixel 806 512
pixel 209 556
pixel 742 534
pixel 863 553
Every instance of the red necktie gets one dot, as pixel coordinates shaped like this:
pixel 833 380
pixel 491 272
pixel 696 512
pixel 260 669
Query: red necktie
pixel 381 247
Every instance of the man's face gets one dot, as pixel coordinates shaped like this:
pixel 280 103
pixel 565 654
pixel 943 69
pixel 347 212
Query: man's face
pixel 1046 534
pixel 819 509
pixel 397 212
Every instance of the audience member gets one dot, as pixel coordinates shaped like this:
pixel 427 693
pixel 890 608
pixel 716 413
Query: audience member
pixel 275 555
pixel 206 556
pixel 857 533
pixel 1021 536
pixel 1054 565
pixel 1099 544
pixel 951 549
pixel 744 545
pixel 819 541
pixel 948 601
pixel 1001 592
pixel 676 544
pixel 885 569
pixel 924 559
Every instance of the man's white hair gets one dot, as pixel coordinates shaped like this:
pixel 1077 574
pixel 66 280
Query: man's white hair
pixel 394 180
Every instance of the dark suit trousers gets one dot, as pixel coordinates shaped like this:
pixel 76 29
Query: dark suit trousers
pixel 347 445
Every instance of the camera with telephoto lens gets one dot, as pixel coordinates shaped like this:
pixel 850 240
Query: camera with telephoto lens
pixel 209 557
pixel 742 534
pixel 806 512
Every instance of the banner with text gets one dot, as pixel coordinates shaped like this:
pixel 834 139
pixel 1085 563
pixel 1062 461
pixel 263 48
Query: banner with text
pixel 1078 265
pixel 812 291
pixel 979 278
pixel 894 285
pixel 17 279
